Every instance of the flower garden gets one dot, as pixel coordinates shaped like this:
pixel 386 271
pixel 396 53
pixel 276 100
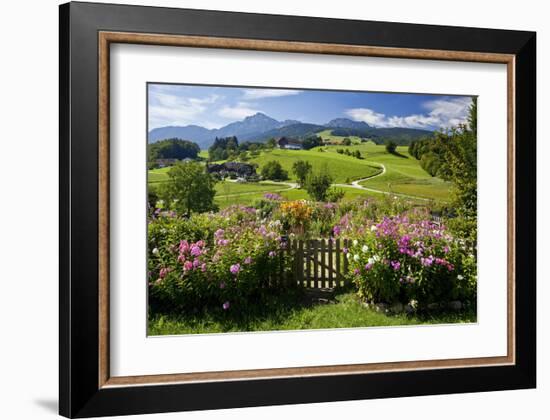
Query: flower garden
pixel 212 271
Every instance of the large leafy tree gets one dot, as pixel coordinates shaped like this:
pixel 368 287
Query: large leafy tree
pixel 301 168
pixel 318 184
pixel 189 189
pixel 274 171
pixel 173 149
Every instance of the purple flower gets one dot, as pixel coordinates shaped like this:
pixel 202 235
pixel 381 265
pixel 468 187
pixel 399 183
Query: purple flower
pixel 336 230
pixel 396 265
pixel 427 262
pixel 368 266
pixel 196 250
pixel 225 306
pixel 222 285
pixel 356 271
pixel 345 250
pixel 248 260
pixel 196 263
pixel 219 233
pixel 203 267
pixel 272 196
pixel 271 254
pixel 235 268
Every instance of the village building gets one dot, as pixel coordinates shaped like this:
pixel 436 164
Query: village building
pixel 289 143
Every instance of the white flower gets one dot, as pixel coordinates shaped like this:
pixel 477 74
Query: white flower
pixel 371 260
pixel 376 258
pixel 356 257
pixel 155 251
pixel 349 255
pixel 365 248
pixel 460 277
pixel 373 228
pixel 355 242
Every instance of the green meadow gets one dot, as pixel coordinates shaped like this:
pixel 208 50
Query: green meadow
pixel 378 171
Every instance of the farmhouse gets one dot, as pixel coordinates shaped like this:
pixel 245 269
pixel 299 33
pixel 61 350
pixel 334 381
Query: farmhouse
pixel 289 143
pixel 237 169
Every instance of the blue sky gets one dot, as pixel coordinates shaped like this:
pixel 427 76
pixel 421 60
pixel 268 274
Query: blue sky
pixel 214 107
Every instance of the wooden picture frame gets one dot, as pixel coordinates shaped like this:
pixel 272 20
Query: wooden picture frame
pixel 86 32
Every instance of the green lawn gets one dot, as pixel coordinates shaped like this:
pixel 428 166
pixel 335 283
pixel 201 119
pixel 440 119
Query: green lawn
pixel 343 168
pixel 403 172
pixel 292 312
pixel 327 135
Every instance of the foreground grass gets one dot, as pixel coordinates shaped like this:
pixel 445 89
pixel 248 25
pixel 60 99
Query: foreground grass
pixel 292 312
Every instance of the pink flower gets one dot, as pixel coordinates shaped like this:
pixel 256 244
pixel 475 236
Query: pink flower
pixel 219 233
pixel 188 265
pixel 196 263
pixel 222 285
pixel 235 268
pixel 271 254
pixel 163 272
pixel 203 267
pixel 184 246
pixel 396 265
pixel 196 251
pixel 225 306
pixel 248 260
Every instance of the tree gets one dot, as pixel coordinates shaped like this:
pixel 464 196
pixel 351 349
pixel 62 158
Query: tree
pixel 223 148
pixel 189 189
pixel 318 184
pixel 301 169
pixel 346 141
pixel 274 171
pixel 391 147
pixel 311 142
pixel 271 143
pixel 172 149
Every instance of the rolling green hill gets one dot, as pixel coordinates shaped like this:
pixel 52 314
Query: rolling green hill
pixel 402 175
pixel 343 168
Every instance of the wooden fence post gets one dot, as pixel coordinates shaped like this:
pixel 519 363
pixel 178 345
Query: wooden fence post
pixel 330 263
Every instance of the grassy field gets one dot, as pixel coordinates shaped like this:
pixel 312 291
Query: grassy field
pixel 343 168
pixel 291 312
pixel 327 135
pixel 403 174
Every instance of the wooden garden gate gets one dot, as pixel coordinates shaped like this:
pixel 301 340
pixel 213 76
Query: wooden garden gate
pixel 319 263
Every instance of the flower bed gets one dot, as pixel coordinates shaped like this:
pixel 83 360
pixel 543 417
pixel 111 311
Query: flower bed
pixel 401 260
pixel 220 259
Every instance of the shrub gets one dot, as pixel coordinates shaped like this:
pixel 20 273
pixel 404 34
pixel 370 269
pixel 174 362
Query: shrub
pixel 398 260
pixel 274 171
pixel 212 260
pixel 391 147
pixel 317 184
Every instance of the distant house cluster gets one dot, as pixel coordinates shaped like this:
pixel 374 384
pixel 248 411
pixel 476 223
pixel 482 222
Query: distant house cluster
pixel 232 170
pixel 289 143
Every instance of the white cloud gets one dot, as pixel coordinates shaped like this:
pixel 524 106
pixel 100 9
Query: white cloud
pixel 251 94
pixel 441 113
pixel 169 109
pixel 238 112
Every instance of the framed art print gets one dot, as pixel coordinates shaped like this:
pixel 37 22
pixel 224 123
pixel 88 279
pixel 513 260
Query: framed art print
pixel 260 209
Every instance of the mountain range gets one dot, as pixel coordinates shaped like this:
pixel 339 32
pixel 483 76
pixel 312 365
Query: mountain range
pixel 260 127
